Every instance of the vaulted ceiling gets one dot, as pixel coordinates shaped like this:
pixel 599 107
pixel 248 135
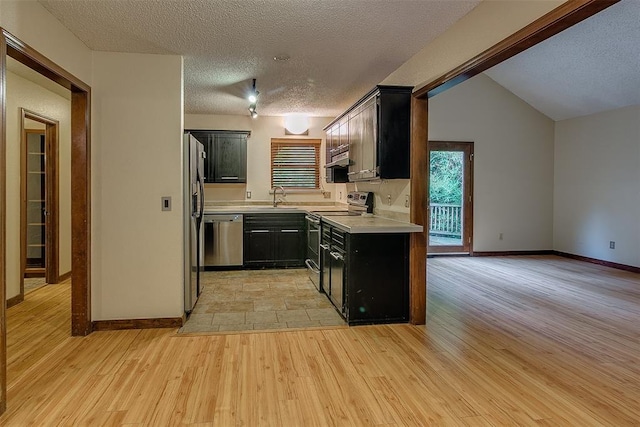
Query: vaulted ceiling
pixel 591 67
pixel 337 49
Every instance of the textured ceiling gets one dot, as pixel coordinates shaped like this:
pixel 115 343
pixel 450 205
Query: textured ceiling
pixel 338 49
pixel 592 67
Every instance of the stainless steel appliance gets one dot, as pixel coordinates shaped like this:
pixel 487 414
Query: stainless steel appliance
pixel 313 248
pixel 358 202
pixel 193 193
pixel 223 236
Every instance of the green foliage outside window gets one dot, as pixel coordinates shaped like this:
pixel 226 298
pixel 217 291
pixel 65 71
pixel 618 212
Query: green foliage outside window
pixel 445 185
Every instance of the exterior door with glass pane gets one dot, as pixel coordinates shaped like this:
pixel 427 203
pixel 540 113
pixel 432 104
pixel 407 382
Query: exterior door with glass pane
pixel 450 215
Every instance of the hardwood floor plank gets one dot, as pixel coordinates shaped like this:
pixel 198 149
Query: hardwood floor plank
pixel 532 341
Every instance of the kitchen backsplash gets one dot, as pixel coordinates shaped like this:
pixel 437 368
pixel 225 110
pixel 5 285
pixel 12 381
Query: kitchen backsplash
pixel 390 197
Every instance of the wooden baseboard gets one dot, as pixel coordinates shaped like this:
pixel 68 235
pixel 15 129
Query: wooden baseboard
pixel 625 267
pixel 114 325
pixel 65 276
pixel 513 253
pixel 15 300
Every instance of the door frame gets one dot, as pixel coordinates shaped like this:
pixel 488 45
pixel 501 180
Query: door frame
pixel 80 189
pixel 465 147
pixel 52 202
pixel 559 19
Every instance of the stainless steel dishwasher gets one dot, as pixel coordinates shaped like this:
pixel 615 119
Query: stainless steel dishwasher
pixel 223 235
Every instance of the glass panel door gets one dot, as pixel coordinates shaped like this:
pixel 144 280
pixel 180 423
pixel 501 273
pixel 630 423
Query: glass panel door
pixel 450 197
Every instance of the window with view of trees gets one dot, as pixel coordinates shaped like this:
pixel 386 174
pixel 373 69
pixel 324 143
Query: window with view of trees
pixel 295 163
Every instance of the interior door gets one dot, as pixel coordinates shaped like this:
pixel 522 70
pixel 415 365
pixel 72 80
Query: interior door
pixel 450 213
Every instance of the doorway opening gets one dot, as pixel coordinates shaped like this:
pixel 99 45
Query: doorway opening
pixel 39 207
pixel 450 212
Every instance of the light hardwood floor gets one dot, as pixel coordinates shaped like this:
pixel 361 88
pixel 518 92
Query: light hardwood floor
pixel 538 341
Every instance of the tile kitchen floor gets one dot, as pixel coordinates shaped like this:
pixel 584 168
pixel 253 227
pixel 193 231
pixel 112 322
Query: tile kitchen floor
pixel 259 300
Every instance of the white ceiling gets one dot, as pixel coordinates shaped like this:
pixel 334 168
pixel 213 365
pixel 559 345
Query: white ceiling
pixel 338 49
pixel 591 67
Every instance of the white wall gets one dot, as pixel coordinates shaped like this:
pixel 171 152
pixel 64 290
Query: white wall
pixel 262 130
pixel 33 24
pixel 597 186
pixel 137 149
pixel 22 93
pixel 513 166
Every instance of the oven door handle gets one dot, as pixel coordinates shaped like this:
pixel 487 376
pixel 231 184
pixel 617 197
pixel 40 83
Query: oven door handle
pixel 310 266
pixel 325 247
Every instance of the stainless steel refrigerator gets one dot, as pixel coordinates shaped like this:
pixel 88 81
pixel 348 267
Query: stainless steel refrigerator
pixel 193 179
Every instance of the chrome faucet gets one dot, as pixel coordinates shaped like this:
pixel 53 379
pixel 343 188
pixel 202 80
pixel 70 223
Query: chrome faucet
pixel 284 194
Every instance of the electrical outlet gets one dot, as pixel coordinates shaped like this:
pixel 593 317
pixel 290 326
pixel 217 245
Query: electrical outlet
pixel 389 199
pixel 500 236
pixel 248 194
pixel 166 203
pixel 327 194
pixel 612 244
pixel 406 201
pixel 341 195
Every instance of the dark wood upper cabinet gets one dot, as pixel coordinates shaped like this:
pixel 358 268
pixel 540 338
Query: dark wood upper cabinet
pixel 226 155
pixel 377 131
pixel 230 158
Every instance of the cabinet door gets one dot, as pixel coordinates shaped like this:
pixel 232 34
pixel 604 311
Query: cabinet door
pixel 207 139
pixel 289 246
pixel 337 280
pixel 325 261
pixel 328 150
pixel 355 145
pixel 230 158
pixel 258 246
pixel 368 133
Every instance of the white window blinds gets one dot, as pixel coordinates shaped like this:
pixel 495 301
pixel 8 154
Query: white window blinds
pixel 295 163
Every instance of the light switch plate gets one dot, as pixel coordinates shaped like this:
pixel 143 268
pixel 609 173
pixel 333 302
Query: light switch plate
pixel 166 203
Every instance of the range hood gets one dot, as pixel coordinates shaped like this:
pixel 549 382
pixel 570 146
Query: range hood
pixel 341 161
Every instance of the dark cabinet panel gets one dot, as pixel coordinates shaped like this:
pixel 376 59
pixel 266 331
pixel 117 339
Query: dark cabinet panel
pixel 274 240
pixel 378 134
pixel 289 246
pixel 230 158
pixel 366 276
pixel 258 246
pixel 377 278
pixel 226 152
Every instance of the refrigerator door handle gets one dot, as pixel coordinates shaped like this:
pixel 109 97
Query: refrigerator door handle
pixel 201 197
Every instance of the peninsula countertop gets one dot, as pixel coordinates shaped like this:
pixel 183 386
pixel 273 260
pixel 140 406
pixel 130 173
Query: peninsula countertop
pixel 370 224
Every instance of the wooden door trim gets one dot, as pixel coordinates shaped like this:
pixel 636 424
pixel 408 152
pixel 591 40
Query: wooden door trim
pixel 559 19
pixel 467 237
pixel 80 189
pixel 419 163
pixel 52 202
pixel 3 223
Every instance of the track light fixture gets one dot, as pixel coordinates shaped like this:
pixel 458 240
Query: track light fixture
pixel 253 99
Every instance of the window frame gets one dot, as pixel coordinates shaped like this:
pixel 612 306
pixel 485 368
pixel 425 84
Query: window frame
pixel 293 142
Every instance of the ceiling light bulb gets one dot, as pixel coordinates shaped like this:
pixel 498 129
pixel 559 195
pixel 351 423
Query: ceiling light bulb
pixel 252 107
pixel 253 98
pixel 254 114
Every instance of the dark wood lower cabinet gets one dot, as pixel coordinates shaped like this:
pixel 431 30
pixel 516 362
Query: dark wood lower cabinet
pixel 274 240
pixel 367 276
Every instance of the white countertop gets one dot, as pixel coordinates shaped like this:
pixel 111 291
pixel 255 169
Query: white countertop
pixel 350 224
pixel 371 224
